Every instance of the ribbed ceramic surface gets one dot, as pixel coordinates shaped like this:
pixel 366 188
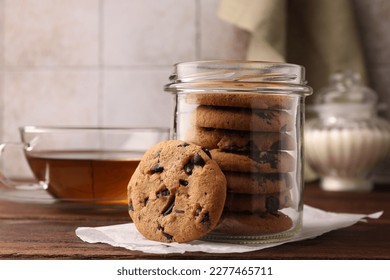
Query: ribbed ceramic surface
pixel 346 152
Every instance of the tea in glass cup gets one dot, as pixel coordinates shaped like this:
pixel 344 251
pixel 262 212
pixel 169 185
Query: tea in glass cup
pixel 85 164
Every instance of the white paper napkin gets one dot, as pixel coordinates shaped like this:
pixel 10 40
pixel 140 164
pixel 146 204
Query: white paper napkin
pixel 315 223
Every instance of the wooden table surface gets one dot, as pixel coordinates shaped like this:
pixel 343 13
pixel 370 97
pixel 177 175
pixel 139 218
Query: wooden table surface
pixel 31 231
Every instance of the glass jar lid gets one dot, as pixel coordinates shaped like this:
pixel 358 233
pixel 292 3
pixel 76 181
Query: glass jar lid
pixel 346 88
pixel 345 96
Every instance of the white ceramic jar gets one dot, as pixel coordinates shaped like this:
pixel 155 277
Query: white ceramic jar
pixel 347 140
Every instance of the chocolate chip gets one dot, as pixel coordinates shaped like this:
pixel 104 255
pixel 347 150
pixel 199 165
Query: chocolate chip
pixel 198 211
pixel 276 146
pixel 269 157
pixel 253 151
pixel 198 160
pixel 159 227
pixel 188 167
pixel 184 144
pixel 157 168
pixel 183 182
pixel 179 211
pixel 206 219
pixel 272 204
pixel 265 115
pixel 207 152
pixel 167 236
pixel 169 208
pixel 164 192
pixel 236 149
pixel 146 201
pixel 250 149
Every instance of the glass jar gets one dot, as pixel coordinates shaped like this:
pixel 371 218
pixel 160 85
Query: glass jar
pixel 347 139
pixel 250 116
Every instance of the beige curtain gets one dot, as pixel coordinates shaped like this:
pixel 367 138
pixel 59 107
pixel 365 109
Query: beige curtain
pixel 318 34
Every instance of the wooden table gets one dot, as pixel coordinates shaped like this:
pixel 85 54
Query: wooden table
pixel 29 231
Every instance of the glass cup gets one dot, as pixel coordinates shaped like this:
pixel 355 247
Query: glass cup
pixel 88 165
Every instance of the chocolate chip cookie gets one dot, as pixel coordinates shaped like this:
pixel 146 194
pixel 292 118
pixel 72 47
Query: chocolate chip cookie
pixel 247 100
pixel 242 119
pixel 258 162
pixel 257 203
pixel 239 141
pixel 177 193
pixel 256 183
pixel 253 224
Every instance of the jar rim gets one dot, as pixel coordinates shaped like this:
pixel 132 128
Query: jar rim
pixel 242 75
pixel 239 70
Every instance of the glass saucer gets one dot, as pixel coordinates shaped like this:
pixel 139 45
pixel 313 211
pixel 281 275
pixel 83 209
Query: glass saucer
pixel 28 195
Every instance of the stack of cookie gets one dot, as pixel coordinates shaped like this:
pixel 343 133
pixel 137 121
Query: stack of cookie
pixel 248 135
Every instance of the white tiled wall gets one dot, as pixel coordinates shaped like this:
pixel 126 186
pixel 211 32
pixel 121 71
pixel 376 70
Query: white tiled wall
pixel 51 32
pixel 47 97
pixel 149 32
pixel 101 62
pixel 105 62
